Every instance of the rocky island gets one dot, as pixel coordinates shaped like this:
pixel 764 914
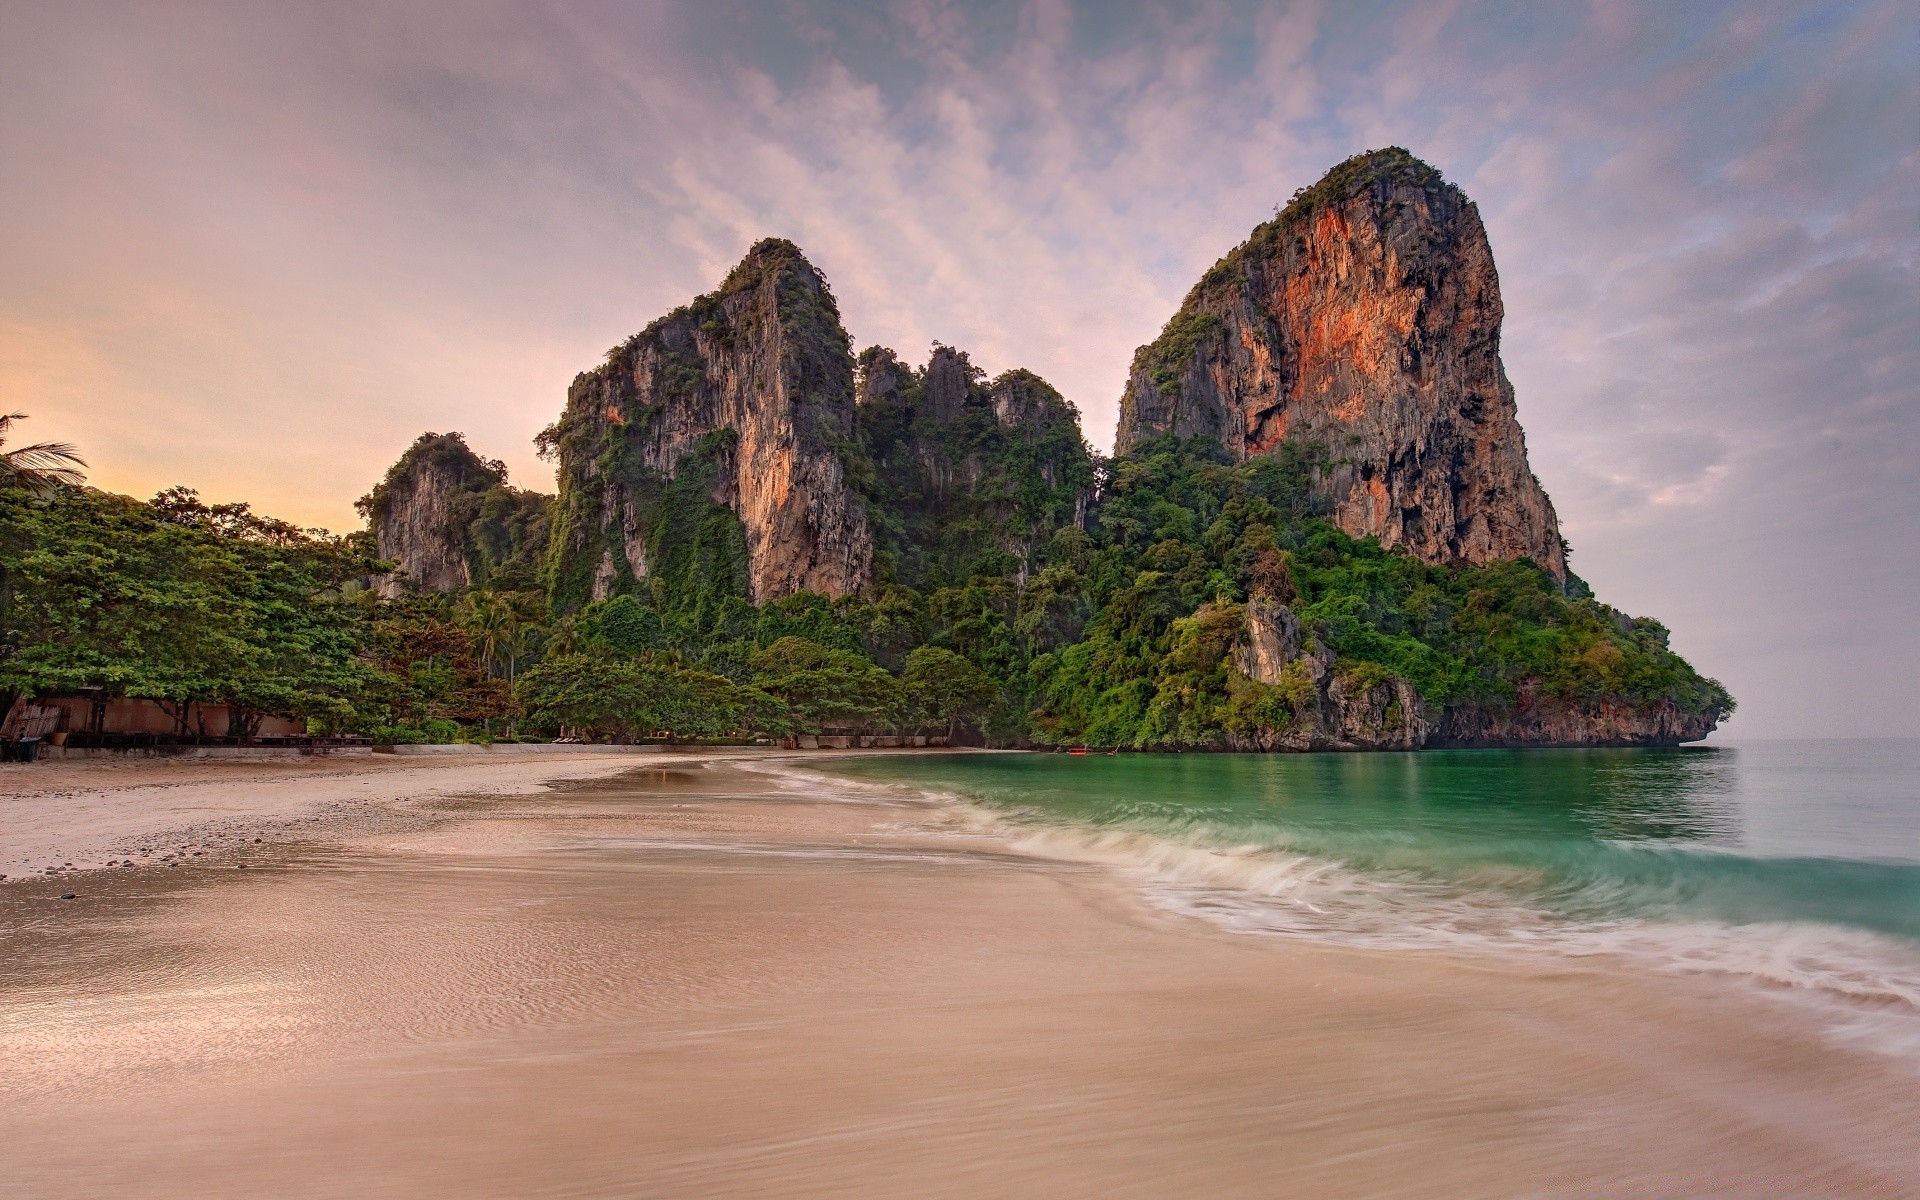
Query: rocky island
pixel 1319 528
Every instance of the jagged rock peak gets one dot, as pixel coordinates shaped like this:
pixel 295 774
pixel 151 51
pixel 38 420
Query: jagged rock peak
pixel 741 400
pixel 1029 405
pixel 446 517
pixel 414 512
pixel 974 474
pixel 1361 322
pixel 943 390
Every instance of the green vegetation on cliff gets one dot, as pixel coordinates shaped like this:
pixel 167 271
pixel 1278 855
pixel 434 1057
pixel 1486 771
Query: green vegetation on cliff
pixel 1186 538
pixel 1123 633
pixel 964 476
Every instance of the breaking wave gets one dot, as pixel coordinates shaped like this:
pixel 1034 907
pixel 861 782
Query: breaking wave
pixel 1839 934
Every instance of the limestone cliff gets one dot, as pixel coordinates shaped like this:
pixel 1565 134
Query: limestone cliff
pixel 966 475
pixel 1534 719
pixel 447 520
pixel 709 451
pixel 1362 325
pixel 1330 709
pixel 1369 709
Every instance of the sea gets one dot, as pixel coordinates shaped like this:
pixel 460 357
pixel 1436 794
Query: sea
pixel 1793 866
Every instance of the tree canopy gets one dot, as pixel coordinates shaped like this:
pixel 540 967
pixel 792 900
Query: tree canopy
pixel 1119 633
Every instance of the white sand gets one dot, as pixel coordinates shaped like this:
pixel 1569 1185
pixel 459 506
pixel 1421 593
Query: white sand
pixel 80 814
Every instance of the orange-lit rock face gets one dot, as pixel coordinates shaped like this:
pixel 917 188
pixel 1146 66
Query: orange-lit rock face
pixel 1369 325
pixel 764 362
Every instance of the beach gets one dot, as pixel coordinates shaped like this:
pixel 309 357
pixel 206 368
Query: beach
pixel 719 974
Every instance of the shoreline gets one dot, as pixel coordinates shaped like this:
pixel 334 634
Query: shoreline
pixel 685 977
pixel 87 815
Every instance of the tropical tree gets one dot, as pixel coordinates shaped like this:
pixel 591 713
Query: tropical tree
pixel 943 687
pixel 563 637
pixel 595 694
pixel 501 628
pixel 178 602
pixel 823 686
pixel 624 624
pixel 42 468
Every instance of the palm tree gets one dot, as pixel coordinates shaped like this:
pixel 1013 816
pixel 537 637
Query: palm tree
pixel 42 469
pixel 487 620
pixel 564 636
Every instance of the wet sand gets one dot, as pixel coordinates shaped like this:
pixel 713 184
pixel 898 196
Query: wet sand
pixel 701 980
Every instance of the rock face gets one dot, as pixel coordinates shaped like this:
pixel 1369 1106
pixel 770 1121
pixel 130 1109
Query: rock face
pixel 1536 720
pixel 741 401
pixel 1330 711
pixel 1373 712
pixel 1361 326
pixel 447 519
pixel 969 475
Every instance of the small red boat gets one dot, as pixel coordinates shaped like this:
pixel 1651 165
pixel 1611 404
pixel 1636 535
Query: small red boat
pixel 1077 750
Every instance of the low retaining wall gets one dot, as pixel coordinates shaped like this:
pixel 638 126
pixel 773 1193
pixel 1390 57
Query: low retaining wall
pixel 504 748
pixel 865 741
pixel 508 749
pixel 65 752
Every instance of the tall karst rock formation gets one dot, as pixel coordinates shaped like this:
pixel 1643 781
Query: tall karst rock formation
pixel 1361 324
pixel 710 451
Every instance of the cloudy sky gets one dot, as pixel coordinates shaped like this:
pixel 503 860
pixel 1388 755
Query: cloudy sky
pixel 256 249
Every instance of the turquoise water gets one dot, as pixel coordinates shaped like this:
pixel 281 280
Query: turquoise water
pixel 1795 861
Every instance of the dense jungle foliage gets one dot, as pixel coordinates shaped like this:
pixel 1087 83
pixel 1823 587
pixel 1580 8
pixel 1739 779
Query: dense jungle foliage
pixel 180 602
pixel 1185 538
pixel 1116 634
pixel 952 490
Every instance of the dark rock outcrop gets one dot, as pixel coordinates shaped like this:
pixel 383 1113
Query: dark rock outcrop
pixel 1328 710
pixel 447 520
pixel 1533 719
pixel 967 475
pixel 1361 325
pixel 1372 710
pixel 746 392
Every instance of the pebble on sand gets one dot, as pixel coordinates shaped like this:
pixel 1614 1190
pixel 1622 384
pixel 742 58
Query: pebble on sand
pixel 67 896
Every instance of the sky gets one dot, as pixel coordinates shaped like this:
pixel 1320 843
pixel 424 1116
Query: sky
pixel 257 249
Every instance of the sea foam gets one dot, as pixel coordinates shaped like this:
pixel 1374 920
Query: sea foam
pixel 1862 986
